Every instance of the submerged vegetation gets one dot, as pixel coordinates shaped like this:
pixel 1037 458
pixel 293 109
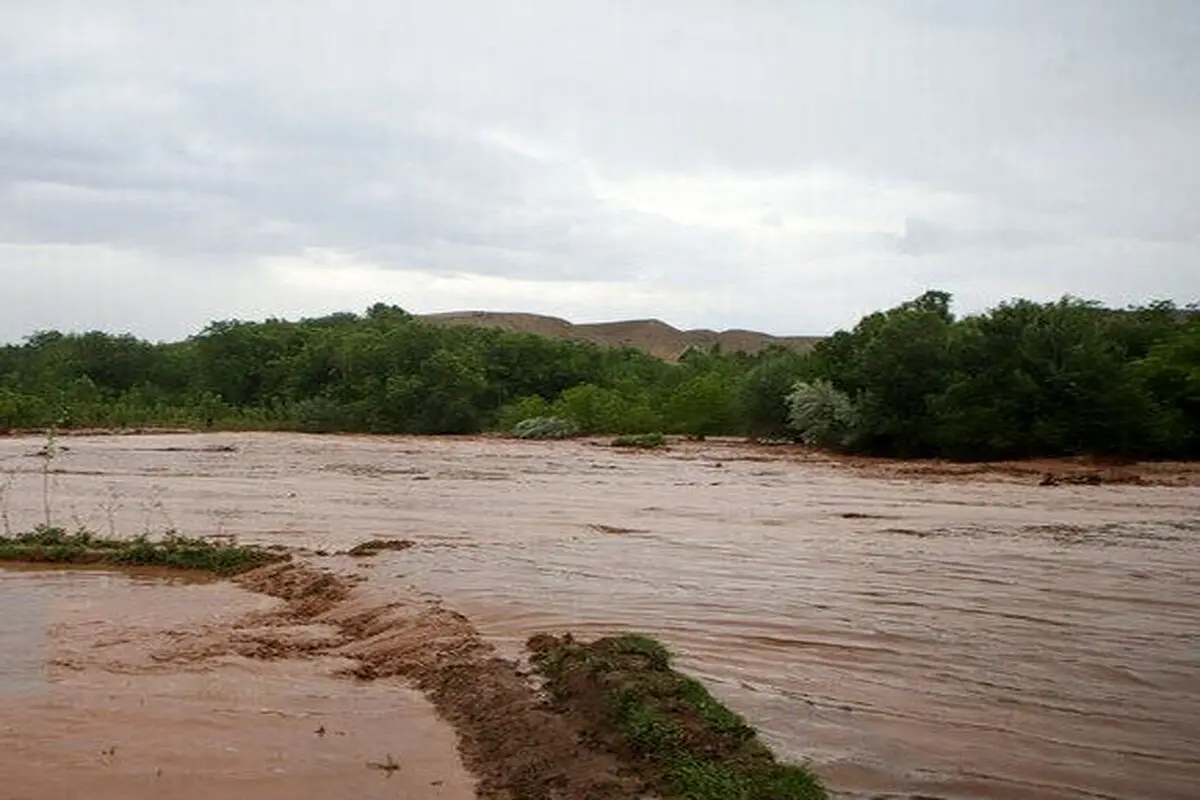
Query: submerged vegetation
pixel 51 545
pixel 1023 379
pixel 641 441
pixel 685 744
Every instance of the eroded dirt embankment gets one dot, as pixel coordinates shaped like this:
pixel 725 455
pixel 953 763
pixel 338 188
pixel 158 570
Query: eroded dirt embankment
pixel 515 746
pixel 88 728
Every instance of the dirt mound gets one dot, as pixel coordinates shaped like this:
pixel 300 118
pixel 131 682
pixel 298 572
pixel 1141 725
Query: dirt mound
pixel 654 336
pixel 376 546
pixel 308 592
pixel 517 747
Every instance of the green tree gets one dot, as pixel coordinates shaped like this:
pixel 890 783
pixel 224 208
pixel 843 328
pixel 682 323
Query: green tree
pixel 761 394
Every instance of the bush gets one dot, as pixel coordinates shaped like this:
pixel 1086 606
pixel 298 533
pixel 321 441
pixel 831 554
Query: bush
pixel 762 395
pixel 645 441
pixel 602 410
pixel 522 409
pixel 821 414
pixel 545 428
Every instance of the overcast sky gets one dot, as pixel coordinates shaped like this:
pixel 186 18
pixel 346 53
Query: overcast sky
pixel 786 165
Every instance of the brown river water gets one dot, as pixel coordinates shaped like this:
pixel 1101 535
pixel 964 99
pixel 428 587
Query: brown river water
pixel 957 637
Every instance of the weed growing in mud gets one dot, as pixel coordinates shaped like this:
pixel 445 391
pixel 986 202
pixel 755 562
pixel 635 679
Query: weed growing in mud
pixel 53 545
pixel 154 505
pixel 5 491
pixel 681 740
pixel 47 453
pixel 111 506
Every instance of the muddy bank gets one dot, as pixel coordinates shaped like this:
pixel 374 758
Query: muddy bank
pixel 959 636
pixel 513 744
pixel 1080 470
pixel 124 699
pixel 625 697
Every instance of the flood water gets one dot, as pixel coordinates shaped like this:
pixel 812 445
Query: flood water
pixel 97 702
pixel 949 638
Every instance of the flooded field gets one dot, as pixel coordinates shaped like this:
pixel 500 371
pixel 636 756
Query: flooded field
pixel 948 636
pixel 121 709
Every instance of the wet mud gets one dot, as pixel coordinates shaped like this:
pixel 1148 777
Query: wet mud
pixel 944 630
pixel 515 746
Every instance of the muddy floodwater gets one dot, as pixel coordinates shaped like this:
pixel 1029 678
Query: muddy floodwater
pixel 113 708
pixel 944 636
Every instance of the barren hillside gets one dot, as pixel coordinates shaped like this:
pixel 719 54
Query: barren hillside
pixel 652 335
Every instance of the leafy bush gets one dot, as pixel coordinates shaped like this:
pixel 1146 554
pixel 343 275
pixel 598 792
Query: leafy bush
pixel 545 428
pixel 762 395
pixel 822 415
pixel 598 409
pixel 522 409
pixel 703 405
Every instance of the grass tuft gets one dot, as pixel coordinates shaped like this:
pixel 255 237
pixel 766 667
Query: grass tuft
pixel 54 545
pixel 683 742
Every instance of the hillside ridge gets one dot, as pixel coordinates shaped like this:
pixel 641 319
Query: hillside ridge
pixel 651 335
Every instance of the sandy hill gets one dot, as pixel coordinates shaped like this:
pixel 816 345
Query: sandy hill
pixel 652 335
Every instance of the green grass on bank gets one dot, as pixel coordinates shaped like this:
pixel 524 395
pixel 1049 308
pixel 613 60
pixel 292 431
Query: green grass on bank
pixel 53 545
pixel 683 742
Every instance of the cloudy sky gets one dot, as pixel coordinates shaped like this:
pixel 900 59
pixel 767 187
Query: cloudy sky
pixel 786 165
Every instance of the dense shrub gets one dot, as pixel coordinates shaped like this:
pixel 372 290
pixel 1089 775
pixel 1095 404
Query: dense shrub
pixel 822 415
pixel 545 428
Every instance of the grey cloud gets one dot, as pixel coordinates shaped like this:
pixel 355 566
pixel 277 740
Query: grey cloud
pixel 236 131
pixel 925 237
pixel 237 169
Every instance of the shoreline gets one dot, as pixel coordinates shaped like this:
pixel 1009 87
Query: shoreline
pixel 515 742
pixel 1043 471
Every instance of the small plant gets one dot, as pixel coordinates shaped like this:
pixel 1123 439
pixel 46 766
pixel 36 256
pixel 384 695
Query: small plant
pixel 643 441
pixel 545 428
pixel 156 504
pixel 47 453
pixel 111 506
pixel 5 491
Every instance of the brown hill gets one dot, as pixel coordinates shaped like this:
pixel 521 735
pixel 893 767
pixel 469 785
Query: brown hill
pixel 654 336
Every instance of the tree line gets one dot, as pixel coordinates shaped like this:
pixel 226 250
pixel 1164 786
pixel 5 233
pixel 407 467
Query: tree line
pixel 1022 379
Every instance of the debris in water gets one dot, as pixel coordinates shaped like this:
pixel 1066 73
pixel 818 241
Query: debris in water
pixel 389 766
